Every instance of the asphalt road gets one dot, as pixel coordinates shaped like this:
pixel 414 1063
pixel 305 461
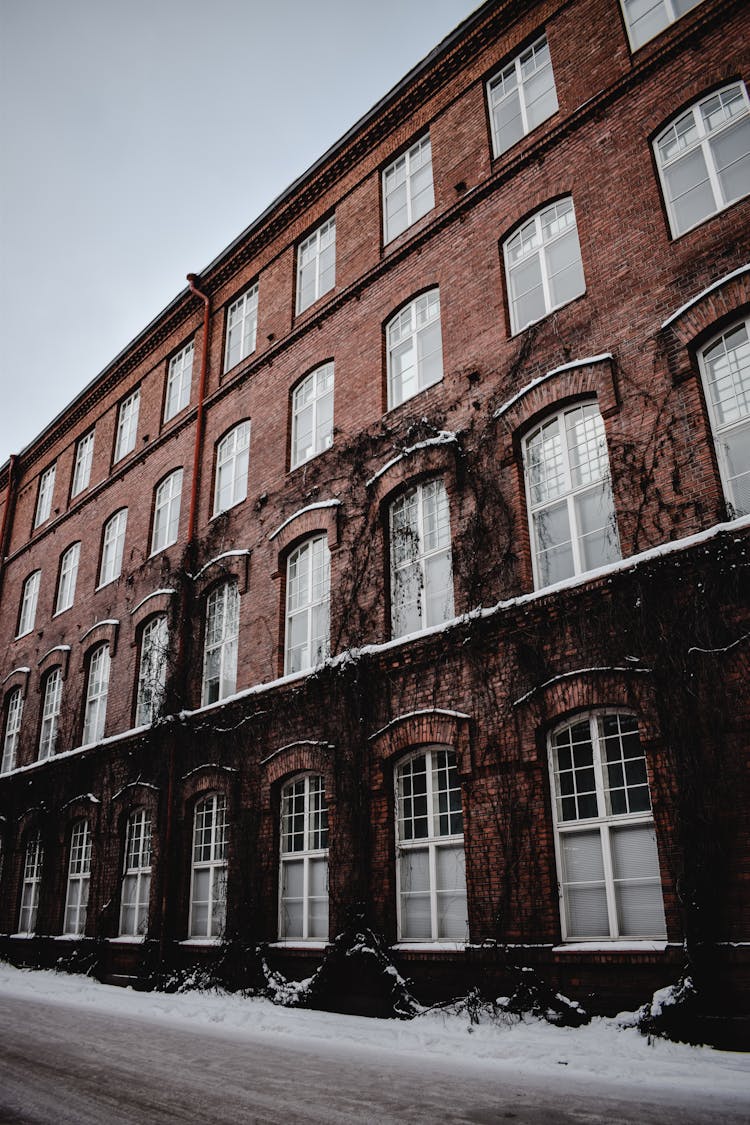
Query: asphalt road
pixel 70 1066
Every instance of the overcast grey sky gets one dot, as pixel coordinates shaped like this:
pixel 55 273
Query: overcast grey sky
pixel 138 139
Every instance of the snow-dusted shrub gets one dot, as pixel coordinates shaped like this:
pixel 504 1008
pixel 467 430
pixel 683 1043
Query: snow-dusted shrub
pixel 533 996
pixel 674 1012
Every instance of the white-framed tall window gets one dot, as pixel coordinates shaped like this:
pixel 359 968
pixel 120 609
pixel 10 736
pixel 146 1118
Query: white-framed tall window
pixel 232 459
pixel 543 264
pixel 421 559
pixel 308 596
pixel 242 325
pixel 29 599
pixel 44 496
pixel 136 877
pixel 521 96
pixel 408 191
pixel 569 494
pixel 607 861
pixel 220 648
pixel 13 717
pixel 97 690
pixel 316 264
pixel 208 890
pixel 646 18
pixel 167 512
pixel 50 714
pixel 79 874
pixel 179 380
pixel 312 415
pixel 725 367
pixel 83 462
pixel 127 424
pixel 303 893
pixel 66 583
pixel 430 863
pixel 152 670
pixel 415 348
pixel 113 545
pixel 703 157
pixel 32 881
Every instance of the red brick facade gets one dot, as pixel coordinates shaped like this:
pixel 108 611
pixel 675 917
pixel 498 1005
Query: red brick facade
pixel 661 635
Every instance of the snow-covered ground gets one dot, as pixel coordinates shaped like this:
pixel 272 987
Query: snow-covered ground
pixel 603 1051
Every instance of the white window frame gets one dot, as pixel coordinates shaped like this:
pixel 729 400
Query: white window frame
pixel 408 334
pixel 50 714
pixel 29 600
pixel 113 545
pixel 13 718
pixel 669 14
pixel 603 820
pixel 79 875
pixel 316 265
pixel 442 784
pixel 595 476
pixel 209 854
pixel 312 415
pixel 32 879
pixel 179 381
pixel 135 890
pixel 420 538
pixel 152 670
pixel 66 584
pixel 404 177
pixel 539 237
pixel 97 690
pixel 83 463
pixel 242 328
pixel 167 499
pixel 727 392
pixel 127 425
pixel 44 496
pixel 515 80
pixel 731 102
pixel 304 849
pixel 221 637
pixel 308 598
pixel 232 463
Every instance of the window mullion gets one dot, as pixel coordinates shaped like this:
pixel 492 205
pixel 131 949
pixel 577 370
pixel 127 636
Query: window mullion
pixel 521 96
pixel 305 897
pixel 542 251
pixel 609 880
pixel 713 175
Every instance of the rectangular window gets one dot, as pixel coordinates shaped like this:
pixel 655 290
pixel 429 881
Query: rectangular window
pixel 408 192
pixel 220 649
pixel 96 696
pixel 421 561
pixel 646 18
pixel 44 497
pixel 312 415
pixel 521 96
pixel 32 879
pixel 13 716
pixel 83 462
pixel 179 379
pixel 66 586
pixel 127 425
pixel 316 265
pixel 29 599
pixel 415 348
pixel 50 714
pixel 136 879
pixel 79 874
pixel 167 512
pixel 242 324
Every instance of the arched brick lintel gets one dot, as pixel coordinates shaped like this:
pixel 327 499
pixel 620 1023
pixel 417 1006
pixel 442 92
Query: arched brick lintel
pixel 298 757
pixel 428 460
pixel 705 317
pixel 421 728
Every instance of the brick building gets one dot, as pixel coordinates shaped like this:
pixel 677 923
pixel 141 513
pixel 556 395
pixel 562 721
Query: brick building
pixel 400 560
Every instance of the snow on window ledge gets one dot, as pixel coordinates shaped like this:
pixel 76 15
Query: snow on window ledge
pixel 298 943
pixel 429 947
pixel 126 939
pixel 611 947
pixel 210 941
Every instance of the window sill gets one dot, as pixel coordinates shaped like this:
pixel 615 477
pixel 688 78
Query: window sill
pixel 126 939
pixel 206 941
pixel 22 936
pixel 429 947
pixel 556 308
pixel 298 943
pixel 69 937
pixel 635 946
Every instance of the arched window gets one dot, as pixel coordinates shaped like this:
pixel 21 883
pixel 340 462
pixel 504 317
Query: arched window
pixel 29 599
pixel 430 865
pixel 308 582
pixel 113 544
pixel 167 512
pixel 152 670
pixel 421 559
pixel 97 691
pixel 232 458
pixel 543 264
pixel 66 583
pixel 136 878
pixel 303 894
pixel 79 873
pixel 312 415
pixel 220 648
pixel 50 713
pixel 208 892
pixel 569 493
pixel 607 862
pixel 725 366
pixel 415 348
pixel 13 716
pixel 32 879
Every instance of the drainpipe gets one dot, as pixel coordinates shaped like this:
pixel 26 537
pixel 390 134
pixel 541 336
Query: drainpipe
pixel 10 503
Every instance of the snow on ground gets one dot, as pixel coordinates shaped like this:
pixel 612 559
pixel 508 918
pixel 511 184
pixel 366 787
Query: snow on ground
pixel 605 1050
